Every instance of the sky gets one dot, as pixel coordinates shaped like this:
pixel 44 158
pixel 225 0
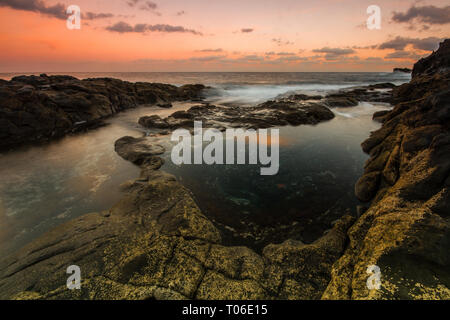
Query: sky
pixel 216 35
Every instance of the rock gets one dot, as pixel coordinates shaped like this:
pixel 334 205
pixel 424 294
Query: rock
pixel 406 230
pixel 42 108
pixel 266 115
pixel 437 62
pixel 367 186
pixel 380 92
pixel 182 115
pixel 404 70
pixel 154 121
pixel 304 97
pixel 336 101
pixel 165 105
pixel 383 85
pixel 137 150
pixel 391 170
pixel 379 116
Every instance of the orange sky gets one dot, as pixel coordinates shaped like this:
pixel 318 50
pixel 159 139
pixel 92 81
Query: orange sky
pixel 282 35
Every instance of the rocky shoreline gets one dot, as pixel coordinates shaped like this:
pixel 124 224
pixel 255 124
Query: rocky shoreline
pixel 36 109
pixel 406 229
pixel 155 243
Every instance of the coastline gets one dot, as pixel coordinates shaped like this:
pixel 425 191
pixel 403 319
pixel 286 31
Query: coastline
pixel 38 109
pixel 172 251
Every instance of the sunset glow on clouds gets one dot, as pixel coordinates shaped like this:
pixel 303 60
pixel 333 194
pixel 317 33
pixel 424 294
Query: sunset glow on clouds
pixel 200 35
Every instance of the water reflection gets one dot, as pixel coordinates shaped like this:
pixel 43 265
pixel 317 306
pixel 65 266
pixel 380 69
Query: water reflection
pixel 44 186
pixel 319 166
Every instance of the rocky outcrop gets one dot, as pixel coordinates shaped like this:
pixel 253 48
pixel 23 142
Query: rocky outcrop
pixel 266 115
pixel 406 230
pixel 437 62
pixel 156 244
pixel 380 92
pixel 41 108
pixel 404 70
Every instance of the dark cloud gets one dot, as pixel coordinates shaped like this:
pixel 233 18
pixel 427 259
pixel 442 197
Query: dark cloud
pixel 365 47
pixel 207 58
pixel 334 53
pixel 290 59
pixel 425 14
pixel 93 16
pixel 403 55
pixel 285 54
pixel 373 59
pixel 281 42
pixel 123 27
pixel 144 5
pixel 272 53
pixel 250 58
pixel 211 50
pixel 57 10
pixel 132 3
pixel 247 30
pixel 399 43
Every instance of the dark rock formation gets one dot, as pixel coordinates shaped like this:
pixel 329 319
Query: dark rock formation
pixel 406 230
pixel 380 115
pixel 381 92
pixel 341 100
pixel 266 115
pixel 137 150
pixel 437 62
pixel 41 108
pixel 404 70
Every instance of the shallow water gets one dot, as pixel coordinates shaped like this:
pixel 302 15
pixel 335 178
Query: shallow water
pixel 319 166
pixel 44 186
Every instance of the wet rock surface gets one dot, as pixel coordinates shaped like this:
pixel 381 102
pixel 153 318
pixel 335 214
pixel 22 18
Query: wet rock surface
pixel 381 92
pixel 41 108
pixel 156 243
pixel 266 115
pixel 406 230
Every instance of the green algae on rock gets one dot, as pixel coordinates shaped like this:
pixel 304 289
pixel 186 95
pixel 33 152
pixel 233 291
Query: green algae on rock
pixel 406 230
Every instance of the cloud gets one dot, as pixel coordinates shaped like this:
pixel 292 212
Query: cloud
pixel 247 30
pixel 211 50
pixel 93 16
pixel 426 14
pixel 123 27
pixel 281 42
pixel 334 53
pixel 57 10
pixel 272 53
pixel 399 43
pixel 285 54
pixel 144 5
pixel 207 58
pixel 404 55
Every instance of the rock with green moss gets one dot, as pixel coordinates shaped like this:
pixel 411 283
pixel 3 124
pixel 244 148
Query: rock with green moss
pixel 406 230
